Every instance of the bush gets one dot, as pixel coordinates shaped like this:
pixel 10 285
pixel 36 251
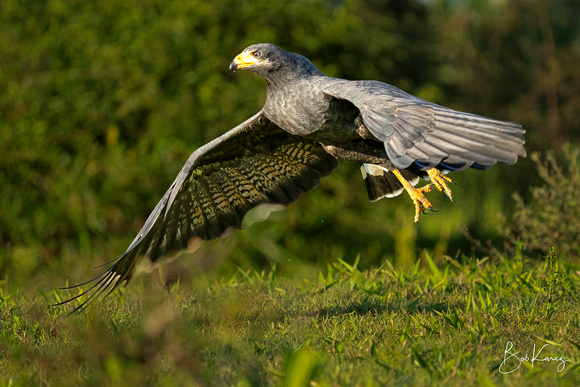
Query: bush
pixel 552 218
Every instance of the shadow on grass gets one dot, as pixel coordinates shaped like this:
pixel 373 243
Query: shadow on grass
pixel 376 307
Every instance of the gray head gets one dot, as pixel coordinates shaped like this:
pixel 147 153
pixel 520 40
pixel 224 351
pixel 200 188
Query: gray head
pixel 273 63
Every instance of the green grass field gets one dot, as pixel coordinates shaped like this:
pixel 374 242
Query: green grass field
pixel 446 324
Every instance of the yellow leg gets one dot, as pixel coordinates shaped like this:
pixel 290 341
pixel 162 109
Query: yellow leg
pixel 416 194
pixel 440 181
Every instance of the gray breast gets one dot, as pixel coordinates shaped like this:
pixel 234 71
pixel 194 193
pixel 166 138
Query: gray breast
pixel 301 109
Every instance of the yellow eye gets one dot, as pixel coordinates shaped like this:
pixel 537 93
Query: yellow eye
pixel 257 54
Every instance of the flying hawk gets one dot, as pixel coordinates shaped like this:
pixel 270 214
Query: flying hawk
pixel 284 150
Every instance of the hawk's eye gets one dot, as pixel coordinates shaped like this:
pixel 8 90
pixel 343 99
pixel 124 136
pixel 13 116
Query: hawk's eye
pixel 257 54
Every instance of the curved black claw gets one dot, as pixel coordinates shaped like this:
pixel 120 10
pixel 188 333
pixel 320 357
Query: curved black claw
pixel 450 197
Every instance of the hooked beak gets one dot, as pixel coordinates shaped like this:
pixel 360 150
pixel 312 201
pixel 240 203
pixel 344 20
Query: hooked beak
pixel 242 61
pixel 233 66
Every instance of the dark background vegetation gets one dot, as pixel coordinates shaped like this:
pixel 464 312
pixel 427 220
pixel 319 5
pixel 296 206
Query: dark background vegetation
pixel 101 103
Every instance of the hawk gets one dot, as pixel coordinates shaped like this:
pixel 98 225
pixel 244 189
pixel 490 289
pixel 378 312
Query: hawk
pixel 308 121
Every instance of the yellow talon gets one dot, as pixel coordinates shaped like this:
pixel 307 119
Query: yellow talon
pixel 417 195
pixel 440 180
pixel 420 201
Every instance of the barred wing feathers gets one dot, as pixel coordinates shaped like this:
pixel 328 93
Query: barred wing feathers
pixel 255 163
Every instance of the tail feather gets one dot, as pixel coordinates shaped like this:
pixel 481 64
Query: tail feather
pixel 381 183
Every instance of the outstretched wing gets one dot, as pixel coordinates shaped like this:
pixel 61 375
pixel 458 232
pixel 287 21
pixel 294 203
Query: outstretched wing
pixel 418 132
pixel 255 163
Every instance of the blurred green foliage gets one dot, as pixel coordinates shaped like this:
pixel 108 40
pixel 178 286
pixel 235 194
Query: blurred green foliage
pixel 102 102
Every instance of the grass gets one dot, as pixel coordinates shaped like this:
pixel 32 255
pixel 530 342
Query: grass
pixel 431 324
